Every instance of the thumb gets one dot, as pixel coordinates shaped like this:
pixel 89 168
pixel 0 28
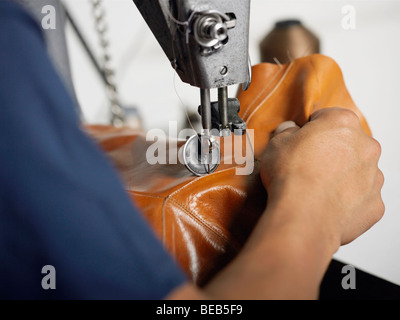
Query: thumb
pixel 287 126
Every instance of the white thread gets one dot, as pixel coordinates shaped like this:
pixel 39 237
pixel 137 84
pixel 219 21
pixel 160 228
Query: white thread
pixel 278 62
pixel 182 23
pixel 271 93
pixel 183 106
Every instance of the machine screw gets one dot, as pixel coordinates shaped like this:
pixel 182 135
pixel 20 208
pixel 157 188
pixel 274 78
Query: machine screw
pixel 224 71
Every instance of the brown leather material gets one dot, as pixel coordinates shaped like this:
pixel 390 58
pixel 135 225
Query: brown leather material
pixel 204 221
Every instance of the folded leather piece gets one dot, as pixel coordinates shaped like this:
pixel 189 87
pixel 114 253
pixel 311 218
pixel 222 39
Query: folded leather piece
pixel 204 221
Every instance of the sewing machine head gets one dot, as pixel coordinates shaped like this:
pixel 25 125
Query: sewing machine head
pixel 207 44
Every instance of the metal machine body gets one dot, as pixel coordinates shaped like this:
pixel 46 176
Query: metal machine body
pixel 207 44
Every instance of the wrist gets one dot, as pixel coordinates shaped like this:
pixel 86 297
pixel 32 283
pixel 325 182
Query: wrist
pixel 287 254
pixel 294 248
pixel 282 259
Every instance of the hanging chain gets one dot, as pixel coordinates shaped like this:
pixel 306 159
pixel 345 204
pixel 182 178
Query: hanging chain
pixel 99 14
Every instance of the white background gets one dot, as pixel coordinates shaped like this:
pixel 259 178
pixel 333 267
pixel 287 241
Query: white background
pixel 369 57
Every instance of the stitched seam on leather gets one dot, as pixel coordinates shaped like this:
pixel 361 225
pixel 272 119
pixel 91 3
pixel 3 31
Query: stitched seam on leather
pixel 204 223
pixel 187 210
pixel 201 178
pixel 183 187
pixel 271 93
pixel 248 110
pixel 180 205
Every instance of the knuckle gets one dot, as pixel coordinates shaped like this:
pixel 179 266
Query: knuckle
pixel 377 148
pixel 338 117
pixel 380 179
pixel 380 210
pixel 373 149
pixel 347 117
pixel 377 212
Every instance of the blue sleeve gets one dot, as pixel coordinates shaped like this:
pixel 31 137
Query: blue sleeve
pixel 61 203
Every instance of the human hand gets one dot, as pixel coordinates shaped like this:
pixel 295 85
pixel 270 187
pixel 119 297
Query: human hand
pixel 324 190
pixel 326 174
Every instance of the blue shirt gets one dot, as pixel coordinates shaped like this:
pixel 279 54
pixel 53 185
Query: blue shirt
pixel 61 203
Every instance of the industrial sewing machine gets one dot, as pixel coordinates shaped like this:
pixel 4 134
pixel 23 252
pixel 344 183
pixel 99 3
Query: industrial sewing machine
pixel 207 44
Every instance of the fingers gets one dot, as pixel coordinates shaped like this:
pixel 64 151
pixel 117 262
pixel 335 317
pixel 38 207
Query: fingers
pixel 345 117
pixel 287 126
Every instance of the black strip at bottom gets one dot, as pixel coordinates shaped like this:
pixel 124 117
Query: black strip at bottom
pixel 367 286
